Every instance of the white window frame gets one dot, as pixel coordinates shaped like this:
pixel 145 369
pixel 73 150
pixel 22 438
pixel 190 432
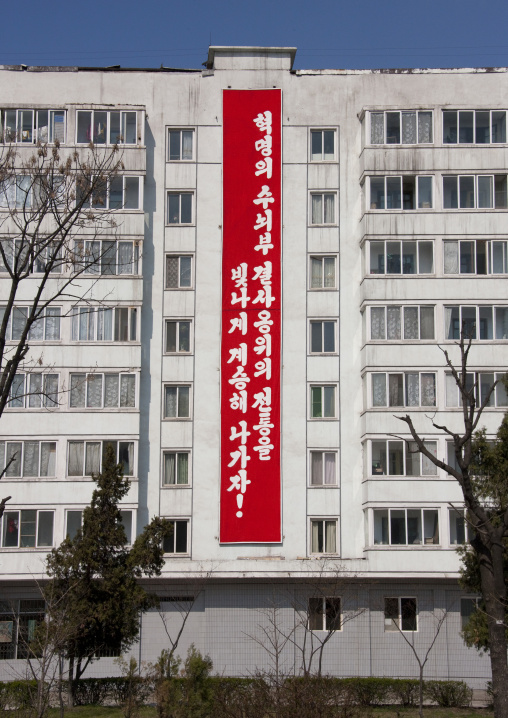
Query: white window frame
pixel 5 450
pixel 323 194
pixel 38 512
pixel 84 381
pixel 495 250
pixel 178 323
pixel 496 325
pixel 322 483
pixel 407 451
pixel 459 516
pixel 323 259
pixel 321 130
pixel 17 192
pixel 178 520
pixel 94 324
pixel 181 130
pixel 36 128
pixel 402 309
pixel 325 606
pixel 177 484
pixel 457 141
pixel 179 386
pixel 498 398
pixel 100 201
pixel 323 388
pixel 322 322
pixel 29 395
pixel 179 286
pixel 420 243
pixel 45 316
pixel 385 113
pixel 118 140
pixel 86 257
pixel 395 625
pixel 420 204
pixel 417 543
pixel 476 196
pixel 405 377
pixel 328 550
pixel 85 442
pixel 180 194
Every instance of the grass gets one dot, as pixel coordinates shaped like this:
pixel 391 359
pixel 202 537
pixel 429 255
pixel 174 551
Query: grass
pixel 384 712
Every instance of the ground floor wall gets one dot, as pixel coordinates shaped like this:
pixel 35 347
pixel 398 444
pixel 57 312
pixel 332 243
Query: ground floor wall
pixel 248 626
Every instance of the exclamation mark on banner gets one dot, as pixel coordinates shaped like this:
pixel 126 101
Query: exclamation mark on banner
pixel 239 501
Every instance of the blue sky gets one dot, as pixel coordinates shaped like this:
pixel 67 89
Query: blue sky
pixel 327 33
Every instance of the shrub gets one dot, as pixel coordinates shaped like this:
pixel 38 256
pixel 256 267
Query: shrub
pixel 370 691
pixel 94 691
pixel 20 695
pixel 405 691
pixel 449 694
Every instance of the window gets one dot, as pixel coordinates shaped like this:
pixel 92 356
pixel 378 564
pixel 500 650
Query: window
pixel 106 127
pixel 104 324
pixel 85 457
pixel 178 272
pixel 404 389
pixel 459 529
pixel 107 257
pixel 324 614
pixel 322 207
pixel 395 323
pixel 119 192
pixel 402 527
pixel 17 251
pixel 176 468
pixel 28 528
pixel 478 256
pixel 46 328
pixel 468 606
pixel 178 336
pixel 28 458
pixel 406 127
pixel 177 541
pixel 451 458
pixel 180 145
pixel 177 402
pixel 406 192
pixel 31 126
pixel 475 191
pixel 407 257
pixel 18 621
pixel 474 126
pixel 480 383
pixel 483 322
pixel 97 391
pixel 17 192
pixel 74 522
pixel 323 468
pixel 322 337
pixel 402 458
pixel 322 273
pixel 400 614
pixel 180 207
pixel 322 145
pixel 323 536
pixel 33 391
pixel 322 402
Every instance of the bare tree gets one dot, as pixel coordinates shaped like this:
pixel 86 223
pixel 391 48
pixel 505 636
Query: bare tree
pixel 486 501
pixel 54 206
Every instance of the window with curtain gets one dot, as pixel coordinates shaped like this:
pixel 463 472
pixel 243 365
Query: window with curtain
pixel 34 391
pixel 404 127
pixel 45 328
pixel 28 458
pixel 176 468
pixel 403 389
pixel 178 271
pixel 177 402
pixel 102 391
pixel 393 323
pixel 323 536
pixel 323 207
pixel 323 468
pixel 322 273
pixel 180 145
pixel 85 458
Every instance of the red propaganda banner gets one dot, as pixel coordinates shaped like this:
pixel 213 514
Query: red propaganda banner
pixel 250 510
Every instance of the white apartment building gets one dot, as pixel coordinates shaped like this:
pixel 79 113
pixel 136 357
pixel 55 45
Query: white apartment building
pixel 381 200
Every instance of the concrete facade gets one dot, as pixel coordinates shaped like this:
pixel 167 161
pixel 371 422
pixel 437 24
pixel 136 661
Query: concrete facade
pixel 387 271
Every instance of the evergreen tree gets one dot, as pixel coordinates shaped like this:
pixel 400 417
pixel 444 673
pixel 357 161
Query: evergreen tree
pixel 94 576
